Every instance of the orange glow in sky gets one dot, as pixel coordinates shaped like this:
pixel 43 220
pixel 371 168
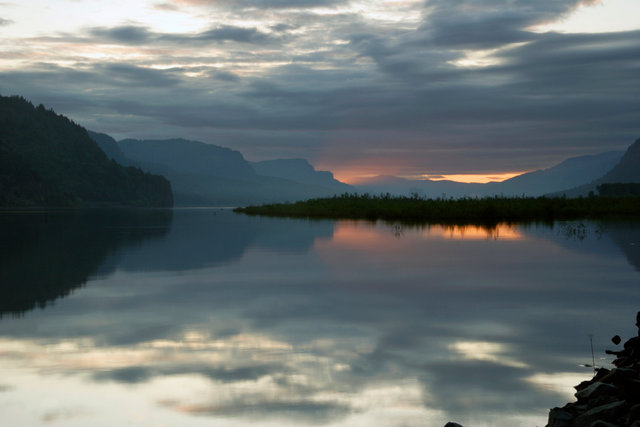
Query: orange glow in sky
pixel 474 177
pixel 360 176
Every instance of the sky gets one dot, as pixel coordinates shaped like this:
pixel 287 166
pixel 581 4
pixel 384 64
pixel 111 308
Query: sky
pixel 412 88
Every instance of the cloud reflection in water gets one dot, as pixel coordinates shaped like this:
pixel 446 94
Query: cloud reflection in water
pixel 346 323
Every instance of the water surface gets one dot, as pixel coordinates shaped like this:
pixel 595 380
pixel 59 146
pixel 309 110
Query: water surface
pixel 206 317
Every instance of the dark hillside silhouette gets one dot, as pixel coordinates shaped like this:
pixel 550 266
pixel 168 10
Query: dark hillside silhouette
pixel 204 174
pixel 299 170
pixel 53 253
pixel 626 171
pixel 48 160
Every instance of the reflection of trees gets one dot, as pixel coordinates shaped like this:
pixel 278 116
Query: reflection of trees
pixel 627 237
pixel 45 256
pixel 459 231
pixel 579 231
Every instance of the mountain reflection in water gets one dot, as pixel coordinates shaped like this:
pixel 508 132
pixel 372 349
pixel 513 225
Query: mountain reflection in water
pixel 204 317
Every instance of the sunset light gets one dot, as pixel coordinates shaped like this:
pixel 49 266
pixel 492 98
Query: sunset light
pixel 473 178
pixel 327 213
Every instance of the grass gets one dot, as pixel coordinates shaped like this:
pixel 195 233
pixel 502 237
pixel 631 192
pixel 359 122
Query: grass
pixel 485 210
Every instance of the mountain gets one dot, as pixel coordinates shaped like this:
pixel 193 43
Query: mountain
pixel 627 170
pixel 191 157
pixel 209 175
pixel 109 146
pixel 423 188
pixel 571 172
pixel 299 170
pixel 47 160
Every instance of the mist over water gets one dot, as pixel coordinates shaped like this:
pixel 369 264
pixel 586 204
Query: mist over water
pixel 206 317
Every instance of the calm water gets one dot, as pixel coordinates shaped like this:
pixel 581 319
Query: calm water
pixel 207 318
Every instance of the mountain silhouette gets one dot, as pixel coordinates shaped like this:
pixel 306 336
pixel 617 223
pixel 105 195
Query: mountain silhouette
pixel 571 172
pixel 204 174
pixel 47 160
pixel 52 253
pixel 627 170
pixel 300 170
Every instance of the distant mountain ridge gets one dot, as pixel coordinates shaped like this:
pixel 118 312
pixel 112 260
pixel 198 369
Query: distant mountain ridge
pixel 299 170
pixel 627 170
pixel 48 160
pixel 205 174
pixel 192 157
pixel 569 173
pixel 209 175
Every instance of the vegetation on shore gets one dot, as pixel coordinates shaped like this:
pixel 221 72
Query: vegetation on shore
pixel 485 210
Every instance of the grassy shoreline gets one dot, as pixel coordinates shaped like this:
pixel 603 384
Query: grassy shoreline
pixel 485 210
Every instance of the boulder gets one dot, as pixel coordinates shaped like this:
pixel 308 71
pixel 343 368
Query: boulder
pixel 608 412
pixel 597 389
pixel 611 398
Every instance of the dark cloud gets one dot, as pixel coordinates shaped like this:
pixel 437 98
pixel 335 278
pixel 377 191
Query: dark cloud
pixel 127 34
pixel 128 375
pixel 467 24
pixel 137 76
pixel 226 76
pixel 283 27
pixel 310 412
pixel 230 33
pixel 137 35
pixel 310 84
pixel 264 4
pixel 140 374
pixel 168 6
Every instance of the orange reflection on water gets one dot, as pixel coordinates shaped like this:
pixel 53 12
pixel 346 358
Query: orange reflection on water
pixel 473 232
pixel 362 236
pixel 370 237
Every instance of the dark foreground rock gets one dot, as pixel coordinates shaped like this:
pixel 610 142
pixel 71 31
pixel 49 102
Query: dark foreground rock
pixel 611 398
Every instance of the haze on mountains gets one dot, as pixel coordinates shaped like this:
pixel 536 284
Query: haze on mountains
pixel 48 160
pixel 567 174
pixel 209 175
pixel 626 171
pixel 205 174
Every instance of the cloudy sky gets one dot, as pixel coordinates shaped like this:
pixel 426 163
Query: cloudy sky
pixel 404 87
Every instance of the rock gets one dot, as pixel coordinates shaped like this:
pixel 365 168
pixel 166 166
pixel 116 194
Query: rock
pixel 611 398
pixel 601 423
pixel 619 376
pixel 631 343
pixel 602 400
pixel 596 389
pixel 634 413
pixel 631 390
pixel 559 417
pixel 450 424
pixel 609 412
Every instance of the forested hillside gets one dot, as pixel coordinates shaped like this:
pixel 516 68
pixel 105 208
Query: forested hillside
pixel 48 160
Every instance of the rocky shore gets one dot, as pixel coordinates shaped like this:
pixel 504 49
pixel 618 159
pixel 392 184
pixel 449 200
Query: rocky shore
pixel 611 398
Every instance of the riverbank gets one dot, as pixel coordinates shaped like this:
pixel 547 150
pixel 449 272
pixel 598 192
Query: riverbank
pixel 485 210
pixel 612 397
